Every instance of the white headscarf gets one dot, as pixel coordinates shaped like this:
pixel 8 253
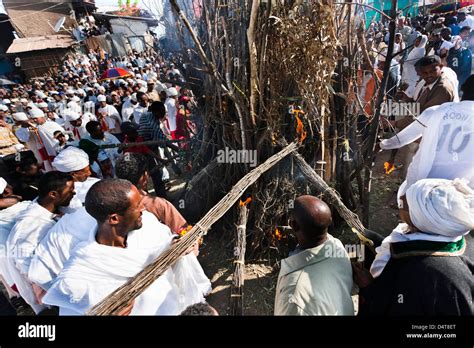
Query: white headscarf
pixel 70 160
pixel 3 185
pixel 442 207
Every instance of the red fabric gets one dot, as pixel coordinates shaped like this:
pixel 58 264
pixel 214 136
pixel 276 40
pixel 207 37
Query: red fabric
pixel 104 125
pixel 180 131
pixel 136 149
pixel 14 288
pixel 76 133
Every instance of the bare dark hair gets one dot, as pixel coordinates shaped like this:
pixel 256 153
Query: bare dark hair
pixel 91 125
pixel 199 309
pixel 429 60
pixel 52 181
pixel 131 166
pixel 108 197
pixel 468 88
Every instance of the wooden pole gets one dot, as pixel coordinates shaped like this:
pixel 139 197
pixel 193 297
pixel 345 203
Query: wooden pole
pixel 374 127
pixel 237 289
pixel 333 198
pixel 124 295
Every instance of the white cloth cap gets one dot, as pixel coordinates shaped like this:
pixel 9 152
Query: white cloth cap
pixel 133 97
pixel 172 92
pixel 3 108
pixel 101 89
pixel 70 160
pixel 3 185
pixel 6 101
pixel 40 94
pixel 71 115
pixel 101 98
pixel 20 116
pixel 42 105
pixel 440 206
pixel 36 113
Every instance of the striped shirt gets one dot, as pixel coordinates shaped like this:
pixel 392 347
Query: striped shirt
pixel 150 128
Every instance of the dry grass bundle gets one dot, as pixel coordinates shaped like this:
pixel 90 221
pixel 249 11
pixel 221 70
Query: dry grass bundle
pixel 124 295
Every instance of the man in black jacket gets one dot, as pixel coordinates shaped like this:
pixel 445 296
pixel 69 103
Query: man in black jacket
pixel 428 268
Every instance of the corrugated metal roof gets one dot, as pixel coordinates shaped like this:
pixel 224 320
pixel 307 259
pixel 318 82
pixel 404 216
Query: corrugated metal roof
pixel 38 43
pixel 37 18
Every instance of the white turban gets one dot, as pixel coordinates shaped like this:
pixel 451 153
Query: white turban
pixel 172 92
pixel 20 116
pixel 36 113
pixel 74 106
pixel 3 185
pixel 71 115
pixel 70 160
pixel 443 207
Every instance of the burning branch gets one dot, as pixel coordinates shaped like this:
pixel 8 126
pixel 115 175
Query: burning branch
pixel 389 168
pixel 123 296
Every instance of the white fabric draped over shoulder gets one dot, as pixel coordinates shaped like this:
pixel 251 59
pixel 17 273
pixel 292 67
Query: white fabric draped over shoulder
pixel 56 247
pixel 8 218
pixel 93 271
pixel 31 226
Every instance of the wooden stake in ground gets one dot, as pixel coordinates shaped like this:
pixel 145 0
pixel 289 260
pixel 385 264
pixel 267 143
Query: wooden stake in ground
pixel 237 290
pixel 124 295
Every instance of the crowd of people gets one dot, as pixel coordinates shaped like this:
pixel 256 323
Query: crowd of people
pixel 78 219
pixel 71 148
pixel 425 266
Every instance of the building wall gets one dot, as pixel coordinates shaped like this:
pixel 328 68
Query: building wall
pixel 128 27
pixel 42 63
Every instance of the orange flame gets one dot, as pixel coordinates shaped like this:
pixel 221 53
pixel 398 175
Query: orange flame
pixel 184 230
pixel 277 234
pixel 300 128
pixel 247 202
pixel 389 168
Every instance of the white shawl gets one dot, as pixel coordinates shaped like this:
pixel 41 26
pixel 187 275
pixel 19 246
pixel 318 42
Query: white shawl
pixel 25 236
pixel 8 218
pixel 94 271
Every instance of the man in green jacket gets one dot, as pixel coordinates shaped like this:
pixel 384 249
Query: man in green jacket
pixel 317 278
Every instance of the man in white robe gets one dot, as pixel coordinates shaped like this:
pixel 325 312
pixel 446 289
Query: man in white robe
pixel 447 143
pixel 121 243
pixel 8 218
pixel 28 134
pixel 55 191
pixel 110 115
pixel 76 162
pixel 46 130
pixel 76 123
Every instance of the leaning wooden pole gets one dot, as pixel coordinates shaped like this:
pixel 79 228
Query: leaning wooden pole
pixel 331 196
pixel 374 127
pixel 124 295
pixel 238 278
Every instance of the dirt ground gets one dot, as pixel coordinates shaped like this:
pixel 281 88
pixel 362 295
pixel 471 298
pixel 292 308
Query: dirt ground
pixel 261 276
